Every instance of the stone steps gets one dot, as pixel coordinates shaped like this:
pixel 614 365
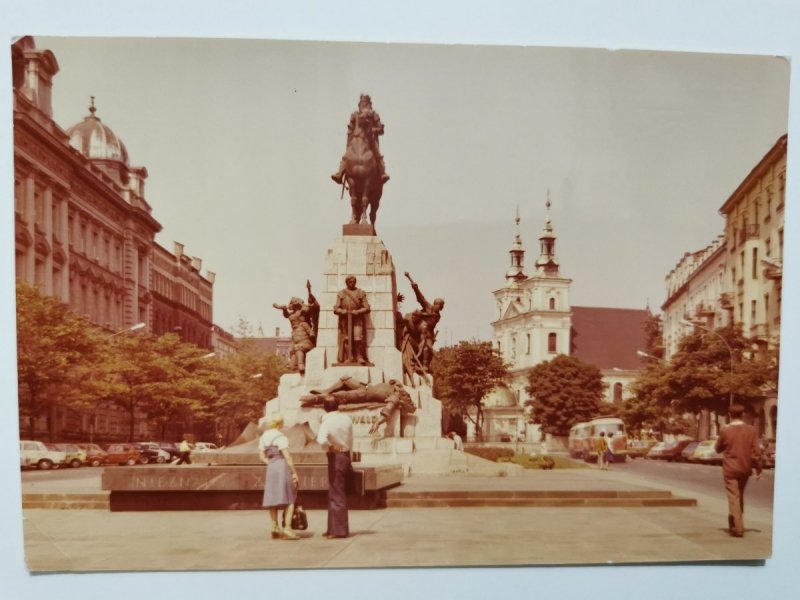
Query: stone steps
pixel 552 498
pixel 98 501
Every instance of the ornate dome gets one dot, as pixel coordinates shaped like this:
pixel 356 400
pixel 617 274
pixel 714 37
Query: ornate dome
pixel 96 140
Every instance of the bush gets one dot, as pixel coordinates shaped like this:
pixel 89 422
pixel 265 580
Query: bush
pixel 492 453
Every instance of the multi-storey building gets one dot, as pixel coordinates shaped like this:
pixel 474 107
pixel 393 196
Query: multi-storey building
pixel 84 232
pixel 738 278
pixel 536 322
pixel 696 292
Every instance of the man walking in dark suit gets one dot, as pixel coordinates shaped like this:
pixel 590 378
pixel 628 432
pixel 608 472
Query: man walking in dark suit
pixel 741 453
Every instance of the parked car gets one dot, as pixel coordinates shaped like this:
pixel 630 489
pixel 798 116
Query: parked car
pixel 95 455
pixel 673 451
pixel 686 453
pixel 75 455
pixel 205 447
pixel 705 453
pixel 640 448
pixel 656 450
pixel 37 454
pixel 169 447
pixel 122 454
pixel 151 453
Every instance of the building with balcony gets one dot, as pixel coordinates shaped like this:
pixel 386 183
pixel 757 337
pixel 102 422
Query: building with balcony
pixel 738 277
pixel 695 292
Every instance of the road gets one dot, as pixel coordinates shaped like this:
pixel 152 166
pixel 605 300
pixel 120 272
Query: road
pixel 705 479
pixel 702 479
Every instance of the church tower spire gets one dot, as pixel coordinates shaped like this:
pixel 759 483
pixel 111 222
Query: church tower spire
pixel 516 273
pixel 546 264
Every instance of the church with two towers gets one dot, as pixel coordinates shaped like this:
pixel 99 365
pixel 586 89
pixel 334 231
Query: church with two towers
pixel 535 322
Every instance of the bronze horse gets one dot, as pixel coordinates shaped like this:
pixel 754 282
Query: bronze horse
pixel 362 170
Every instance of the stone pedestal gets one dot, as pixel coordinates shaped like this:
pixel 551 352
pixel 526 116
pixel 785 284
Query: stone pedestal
pixel 362 254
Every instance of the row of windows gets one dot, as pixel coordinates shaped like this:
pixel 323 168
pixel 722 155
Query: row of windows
pixel 552 344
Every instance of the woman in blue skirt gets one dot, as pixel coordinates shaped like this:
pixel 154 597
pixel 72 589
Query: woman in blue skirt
pixel 280 488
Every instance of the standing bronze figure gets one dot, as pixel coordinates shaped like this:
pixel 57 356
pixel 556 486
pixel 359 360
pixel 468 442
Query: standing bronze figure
pixel 352 307
pixel 362 165
pixel 303 319
pixel 419 332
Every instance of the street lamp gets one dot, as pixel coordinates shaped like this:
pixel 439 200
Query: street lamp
pixel 136 327
pixel 643 354
pixel 688 323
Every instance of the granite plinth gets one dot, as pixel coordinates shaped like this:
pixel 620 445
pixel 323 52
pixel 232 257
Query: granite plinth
pixel 358 229
pixel 199 487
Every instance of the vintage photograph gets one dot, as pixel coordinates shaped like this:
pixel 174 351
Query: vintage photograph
pixel 401 305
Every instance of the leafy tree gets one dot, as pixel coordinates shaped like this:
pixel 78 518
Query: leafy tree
pixel 564 391
pixel 709 371
pixel 463 374
pixel 55 351
pixel 243 383
pixel 713 369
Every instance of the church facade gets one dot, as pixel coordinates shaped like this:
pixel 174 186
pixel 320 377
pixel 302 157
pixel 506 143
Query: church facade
pixel 535 322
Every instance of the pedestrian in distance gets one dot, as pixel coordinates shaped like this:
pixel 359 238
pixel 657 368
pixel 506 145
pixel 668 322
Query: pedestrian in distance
pixel 609 455
pixel 458 443
pixel 741 454
pixel 184 452
pixel 280 483
pixel 602 446
pixel 335 435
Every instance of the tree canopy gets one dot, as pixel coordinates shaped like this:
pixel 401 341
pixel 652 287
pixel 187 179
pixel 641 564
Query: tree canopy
pixel 564 391
pixel 711 369
pixel 464 374
pixel 66 361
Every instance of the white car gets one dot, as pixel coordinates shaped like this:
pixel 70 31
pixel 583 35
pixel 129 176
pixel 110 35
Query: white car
pixel 205 447
pixel 38 455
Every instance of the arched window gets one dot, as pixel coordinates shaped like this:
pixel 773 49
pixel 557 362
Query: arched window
pixel 551 342
pixel 552 303
pixel 617 392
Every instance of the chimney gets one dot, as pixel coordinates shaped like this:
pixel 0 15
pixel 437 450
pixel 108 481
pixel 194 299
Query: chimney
pixel 277 332
pixel 197 263
pixel 211 276
pixel 178 252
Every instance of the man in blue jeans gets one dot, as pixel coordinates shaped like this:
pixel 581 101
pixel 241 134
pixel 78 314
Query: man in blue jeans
pixel 336 438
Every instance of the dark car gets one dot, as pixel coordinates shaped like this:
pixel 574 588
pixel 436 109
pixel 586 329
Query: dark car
pixel 152 452
pixel 122 454
pixel 686 453
pixel 171 447
pixel 95 455
pixel 673 451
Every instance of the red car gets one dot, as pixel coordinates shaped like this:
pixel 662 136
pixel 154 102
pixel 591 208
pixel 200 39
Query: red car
pixel 122 454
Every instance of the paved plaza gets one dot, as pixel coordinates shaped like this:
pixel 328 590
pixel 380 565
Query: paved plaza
pixel 99 540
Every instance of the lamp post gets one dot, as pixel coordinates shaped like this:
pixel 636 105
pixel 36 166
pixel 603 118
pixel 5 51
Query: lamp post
pixel 643 354
pixel 688 323
pixel 136 327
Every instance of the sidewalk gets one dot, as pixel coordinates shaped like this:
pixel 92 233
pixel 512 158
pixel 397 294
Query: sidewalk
pixel 96 540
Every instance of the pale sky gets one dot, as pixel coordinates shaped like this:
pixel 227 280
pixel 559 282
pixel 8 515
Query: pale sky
pixel 639 154
pixel 638 150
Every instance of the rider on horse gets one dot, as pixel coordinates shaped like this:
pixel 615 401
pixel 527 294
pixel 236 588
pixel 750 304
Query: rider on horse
pixel 370 123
